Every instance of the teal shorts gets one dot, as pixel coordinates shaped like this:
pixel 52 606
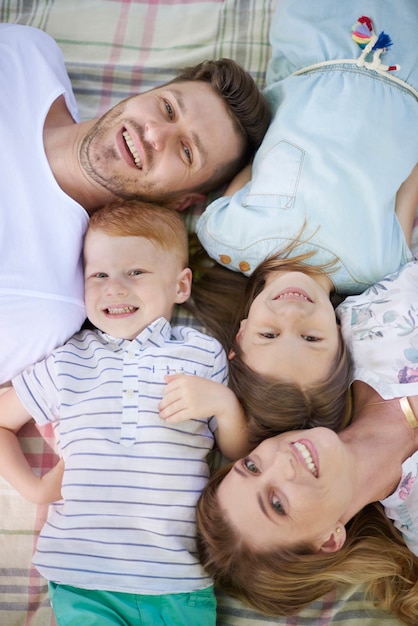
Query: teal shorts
pixel 74 606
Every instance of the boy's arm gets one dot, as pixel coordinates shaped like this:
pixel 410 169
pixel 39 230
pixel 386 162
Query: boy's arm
pixel 194 397
pixel 13 464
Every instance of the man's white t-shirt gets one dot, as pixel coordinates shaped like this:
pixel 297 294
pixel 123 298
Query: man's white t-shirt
pixel 41 227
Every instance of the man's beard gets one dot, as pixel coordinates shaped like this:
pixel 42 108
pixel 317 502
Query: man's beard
pixel 91 159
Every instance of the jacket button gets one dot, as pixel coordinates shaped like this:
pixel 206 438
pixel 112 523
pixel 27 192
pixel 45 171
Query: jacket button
pixel 244 266
pixel 225 259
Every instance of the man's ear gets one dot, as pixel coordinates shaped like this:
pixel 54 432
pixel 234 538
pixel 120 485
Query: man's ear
pixel 335 540
pixel 184 285
pixel 188 200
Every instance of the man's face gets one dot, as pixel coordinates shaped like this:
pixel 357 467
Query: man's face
pixel 166 141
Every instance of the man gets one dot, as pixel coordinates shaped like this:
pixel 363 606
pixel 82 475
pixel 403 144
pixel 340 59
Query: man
pixel 173 145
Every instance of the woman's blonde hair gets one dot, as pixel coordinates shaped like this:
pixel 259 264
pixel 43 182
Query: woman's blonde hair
pixel 220 300
pixel 282 582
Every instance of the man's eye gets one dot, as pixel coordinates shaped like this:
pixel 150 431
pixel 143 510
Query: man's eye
pixel 187 153
pixel 277 506
pixel 250 466
pixel 310 338
pixel 169 109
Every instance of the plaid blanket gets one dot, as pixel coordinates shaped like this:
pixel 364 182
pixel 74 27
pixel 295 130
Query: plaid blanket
pixel 114 48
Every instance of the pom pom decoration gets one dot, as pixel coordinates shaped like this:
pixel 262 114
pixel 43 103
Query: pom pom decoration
pixel 363 34
pixel 362 31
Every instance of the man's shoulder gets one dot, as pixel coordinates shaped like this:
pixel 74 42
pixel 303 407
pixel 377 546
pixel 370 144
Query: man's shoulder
pixel 22 34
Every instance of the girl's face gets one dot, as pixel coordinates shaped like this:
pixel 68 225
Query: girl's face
pixel 291 330
pixel 293 488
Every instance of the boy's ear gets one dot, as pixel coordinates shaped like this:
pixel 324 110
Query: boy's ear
pixel 335 540
pixel 184 285
pixel 188 200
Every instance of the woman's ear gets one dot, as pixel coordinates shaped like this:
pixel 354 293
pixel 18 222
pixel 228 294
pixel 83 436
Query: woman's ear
pixel 335 540
pixel 184 285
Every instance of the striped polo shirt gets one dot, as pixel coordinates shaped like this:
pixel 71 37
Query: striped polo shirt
pixel 131 481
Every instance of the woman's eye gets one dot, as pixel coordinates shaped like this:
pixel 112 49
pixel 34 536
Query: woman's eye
pixel 100 275
pixel 169 109
pixel 310 338
pixel 250 466
pixel 277 506
pixel 269 335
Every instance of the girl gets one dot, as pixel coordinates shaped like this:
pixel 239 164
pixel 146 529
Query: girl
pixel 289 365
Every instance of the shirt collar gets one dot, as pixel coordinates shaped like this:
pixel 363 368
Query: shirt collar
pixel 158 332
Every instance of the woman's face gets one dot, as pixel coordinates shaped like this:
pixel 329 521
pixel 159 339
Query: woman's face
pixel 293 488
pixel 291 330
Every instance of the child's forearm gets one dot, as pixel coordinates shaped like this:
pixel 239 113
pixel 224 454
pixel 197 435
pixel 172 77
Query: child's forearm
pixel 15 469
pixel 232 433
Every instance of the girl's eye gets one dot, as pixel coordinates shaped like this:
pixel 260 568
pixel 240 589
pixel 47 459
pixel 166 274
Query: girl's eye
pixel 169 109
pixel 269 335
pixel 277 506
pixel 310 338
pixel 250 466
pixel 135 273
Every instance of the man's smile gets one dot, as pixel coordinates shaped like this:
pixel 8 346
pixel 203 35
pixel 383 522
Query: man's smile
pixel 132 149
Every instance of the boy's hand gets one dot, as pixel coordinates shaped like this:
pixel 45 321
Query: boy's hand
pixel 189 397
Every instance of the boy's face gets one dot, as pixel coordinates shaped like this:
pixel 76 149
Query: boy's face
pixel 130 282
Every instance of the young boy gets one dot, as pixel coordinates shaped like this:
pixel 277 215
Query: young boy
pixel 121 542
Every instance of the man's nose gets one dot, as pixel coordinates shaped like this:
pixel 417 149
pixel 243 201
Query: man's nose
pixel 157 134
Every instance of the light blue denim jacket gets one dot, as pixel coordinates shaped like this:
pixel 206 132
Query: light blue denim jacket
pixel 342 140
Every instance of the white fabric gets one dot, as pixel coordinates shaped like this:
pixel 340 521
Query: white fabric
pixel 41 228
pixel 402 505
pixel 380 327
pixel 131 483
